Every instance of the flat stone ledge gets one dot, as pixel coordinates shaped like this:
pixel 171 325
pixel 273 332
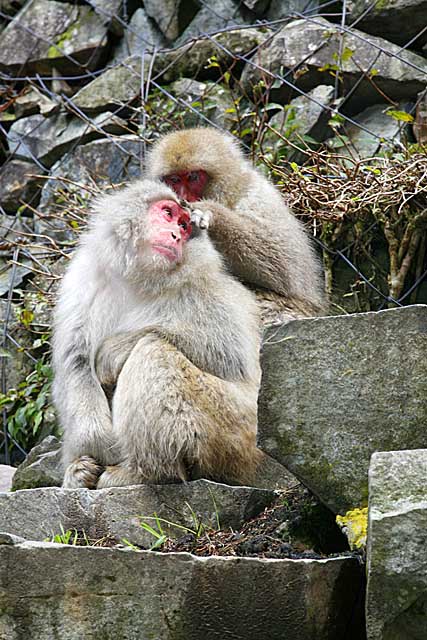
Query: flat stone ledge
pixel 37 514
pixel 335 390
pixel 396 606
pixel 49 590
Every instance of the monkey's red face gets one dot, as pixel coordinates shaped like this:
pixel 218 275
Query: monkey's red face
pixel 170 228
pixel 189 185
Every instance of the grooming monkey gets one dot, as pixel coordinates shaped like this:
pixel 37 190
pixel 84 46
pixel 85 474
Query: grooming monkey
pixel 155 350
pixel 263 244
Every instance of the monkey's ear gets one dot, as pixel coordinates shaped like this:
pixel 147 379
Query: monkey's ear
pixel 125 230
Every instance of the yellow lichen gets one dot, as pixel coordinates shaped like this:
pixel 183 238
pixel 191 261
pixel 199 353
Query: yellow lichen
pixel 354 525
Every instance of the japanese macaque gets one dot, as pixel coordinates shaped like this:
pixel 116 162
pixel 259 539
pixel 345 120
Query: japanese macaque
pixel 263 244
pixel 155 350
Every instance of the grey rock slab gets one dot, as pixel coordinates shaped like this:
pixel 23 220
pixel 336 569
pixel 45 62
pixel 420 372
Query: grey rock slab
pixel 191 59
pixel 19 184
pixel 6 476
pixel 101 162
pixel 172 16
pixel 374 119
pixel 41 467
pixel 141 35
pixel 116 87
pixel 303 116
pixel 395 20
pixel 38 513
pixel 47 139
pixel 335 390
pixel 227 14
pixel 313 45
pixel 52 34
pixel 279 9
pixel 34 101
pixel 49 590
pixel 396 607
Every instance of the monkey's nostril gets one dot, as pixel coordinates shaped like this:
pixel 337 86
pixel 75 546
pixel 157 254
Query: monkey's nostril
pixel 174 236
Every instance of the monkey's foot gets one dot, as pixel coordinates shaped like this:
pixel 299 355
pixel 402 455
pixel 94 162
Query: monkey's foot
pixel 82 472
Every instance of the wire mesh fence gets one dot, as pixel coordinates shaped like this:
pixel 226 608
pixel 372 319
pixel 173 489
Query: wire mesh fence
pixel 328 99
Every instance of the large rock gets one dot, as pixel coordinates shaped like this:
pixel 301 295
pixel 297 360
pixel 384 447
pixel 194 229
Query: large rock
pixel 396 20
pixel 141 34
pixel 191 60
pixel 379 132
pixel 335 390
pixel 172 16
pixel 47 139
pixel 118 512
pixel 41 467
pixel 6 476
pixel 227 14
pixel 19 184
pixel 56 591
pixel 118 86
pixel 52 34
pixel 305 52
pixel 397 552
pixel 101 163
pixel 280 9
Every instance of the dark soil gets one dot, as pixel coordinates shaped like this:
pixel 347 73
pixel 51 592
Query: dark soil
pixel 295 526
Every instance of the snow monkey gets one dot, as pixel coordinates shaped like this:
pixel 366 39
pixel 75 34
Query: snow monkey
pixel 264 245
pixel 155 350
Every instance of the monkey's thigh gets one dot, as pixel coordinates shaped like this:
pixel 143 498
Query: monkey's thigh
pixel 170 418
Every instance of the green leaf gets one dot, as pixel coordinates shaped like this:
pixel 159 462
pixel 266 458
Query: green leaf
pixel 400 115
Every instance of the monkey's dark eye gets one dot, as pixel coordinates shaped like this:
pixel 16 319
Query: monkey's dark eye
pixel 193 176
pixel 184 225
pixel 168 212
pixel 174 179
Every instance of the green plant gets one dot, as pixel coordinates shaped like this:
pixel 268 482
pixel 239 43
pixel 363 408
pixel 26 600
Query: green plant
pixel 30 414
pixel 71 537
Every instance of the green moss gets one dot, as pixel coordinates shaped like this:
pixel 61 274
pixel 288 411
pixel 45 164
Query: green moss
pixel 355 524
pixel 53 51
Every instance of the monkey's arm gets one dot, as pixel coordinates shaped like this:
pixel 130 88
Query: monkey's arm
pixel 112 355
pixel 265 251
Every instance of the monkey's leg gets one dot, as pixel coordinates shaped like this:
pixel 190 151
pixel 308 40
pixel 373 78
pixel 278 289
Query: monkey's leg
pixel 170 418
pixel 82 472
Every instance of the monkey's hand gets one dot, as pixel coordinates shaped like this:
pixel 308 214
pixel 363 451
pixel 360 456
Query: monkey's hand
pixel 201 219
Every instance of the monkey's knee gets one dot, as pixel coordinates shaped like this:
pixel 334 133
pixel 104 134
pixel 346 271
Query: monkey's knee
pixel 82 473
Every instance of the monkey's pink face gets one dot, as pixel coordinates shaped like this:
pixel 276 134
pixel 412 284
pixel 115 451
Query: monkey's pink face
pixel 170 228
pixel 189 185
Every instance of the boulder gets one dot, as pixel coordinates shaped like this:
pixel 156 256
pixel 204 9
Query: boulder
pixel 227 14
pixel 118 512
pixel 141 34
pixel 41 467
pixel 172 16
pixel 306 53
pixel 396 606
pixel 47 139
pixel 385 133
pixel 6 477
pixel 304 117
pixel 191 60
pixel 118 86
pixel 34 101
pixel 52 34
pixel 19 184
pixel 49 590
pixel 280 9
pixel 396 20
pixel 101 162
pixel 214 101
pixel 335 390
